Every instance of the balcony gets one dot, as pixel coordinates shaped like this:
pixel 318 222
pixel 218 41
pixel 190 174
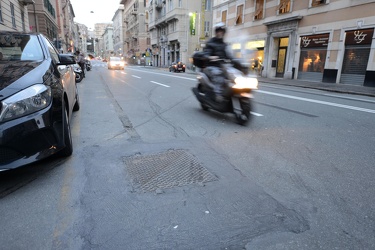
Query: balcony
pixel 26 2
pixel 134 11
pixel 158 4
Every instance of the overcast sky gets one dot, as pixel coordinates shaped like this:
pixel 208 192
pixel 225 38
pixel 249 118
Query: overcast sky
pixel 103 11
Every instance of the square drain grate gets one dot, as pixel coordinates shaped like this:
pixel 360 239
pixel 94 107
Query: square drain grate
pixel 166 170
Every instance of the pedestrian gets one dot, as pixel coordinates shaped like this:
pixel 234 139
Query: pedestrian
pixel 81 61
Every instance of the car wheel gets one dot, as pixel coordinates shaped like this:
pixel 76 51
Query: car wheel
pixel 68 150
pixel 76 104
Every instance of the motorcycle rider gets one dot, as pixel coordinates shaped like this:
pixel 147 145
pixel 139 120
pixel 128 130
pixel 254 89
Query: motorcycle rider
pixel 216 48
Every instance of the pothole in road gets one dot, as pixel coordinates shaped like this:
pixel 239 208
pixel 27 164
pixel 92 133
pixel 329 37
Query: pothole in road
pixel 172 168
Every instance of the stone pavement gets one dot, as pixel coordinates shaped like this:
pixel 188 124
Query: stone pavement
pixel 332 87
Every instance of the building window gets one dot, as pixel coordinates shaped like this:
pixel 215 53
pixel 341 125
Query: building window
pixel 1 15
pixel 12 15
pixel 259 8
pixel 284 6
pixel 206 28
pixel 224 16
pixel 315 3
pixel 170 3
pixel 23 21
pixel 180 3
pixel 239 17
pixel 208 5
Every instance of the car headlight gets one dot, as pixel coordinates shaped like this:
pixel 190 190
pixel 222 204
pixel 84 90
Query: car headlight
pixel 25 102
pixel 245 83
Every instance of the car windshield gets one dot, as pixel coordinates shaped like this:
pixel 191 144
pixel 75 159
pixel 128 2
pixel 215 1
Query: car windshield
pixel 17 47
pixel 115 58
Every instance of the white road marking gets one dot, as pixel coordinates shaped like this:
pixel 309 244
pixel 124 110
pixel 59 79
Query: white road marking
pixel 350 98
pixel 158 83
pixel 154 73
pixel 136 76
pixel 256 114
pixel 122 72
pixel 319 102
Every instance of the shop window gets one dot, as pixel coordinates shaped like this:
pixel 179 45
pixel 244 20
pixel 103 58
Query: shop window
pixel 239 18
pixel 259 6
pixel 312 61
pixel 355 60
pixel 284 6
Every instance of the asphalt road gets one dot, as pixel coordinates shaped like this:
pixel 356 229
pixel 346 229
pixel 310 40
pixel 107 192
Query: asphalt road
pixel 151 170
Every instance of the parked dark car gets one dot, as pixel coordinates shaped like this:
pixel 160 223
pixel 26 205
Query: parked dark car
pixel 177 67
pixel 38 94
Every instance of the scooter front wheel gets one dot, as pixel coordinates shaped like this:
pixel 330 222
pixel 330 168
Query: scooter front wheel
pixel 244 117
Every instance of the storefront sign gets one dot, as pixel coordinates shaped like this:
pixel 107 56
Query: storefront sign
pixel 314 41
pixel 359 37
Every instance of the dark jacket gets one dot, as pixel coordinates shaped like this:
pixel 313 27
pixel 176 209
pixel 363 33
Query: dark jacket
pixel 217 47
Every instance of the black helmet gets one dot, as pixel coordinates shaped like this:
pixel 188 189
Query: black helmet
pixel 220 27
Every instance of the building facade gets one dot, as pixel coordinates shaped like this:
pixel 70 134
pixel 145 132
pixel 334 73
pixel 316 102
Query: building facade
pixel 99 29
pixel 83 36
pixel 178 28
pixel 43 18
pixel 319 40
pixel 136 36
pixel 13 15
pixel 108 42
pixel 118 32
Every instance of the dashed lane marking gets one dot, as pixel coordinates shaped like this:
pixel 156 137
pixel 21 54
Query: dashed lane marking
pixel 158 83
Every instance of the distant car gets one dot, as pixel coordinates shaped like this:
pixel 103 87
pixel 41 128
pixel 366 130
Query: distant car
pixel 177 67
pixel 38 94
pixel 116 63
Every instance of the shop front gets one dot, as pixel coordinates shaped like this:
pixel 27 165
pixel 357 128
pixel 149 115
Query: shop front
pixel 356 58
pixel 252 52
pixel 313 57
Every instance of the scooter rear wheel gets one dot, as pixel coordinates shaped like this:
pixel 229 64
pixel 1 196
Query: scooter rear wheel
pixel 204 107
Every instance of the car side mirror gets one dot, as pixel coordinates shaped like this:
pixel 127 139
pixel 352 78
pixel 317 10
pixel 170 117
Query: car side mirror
pixel 66 59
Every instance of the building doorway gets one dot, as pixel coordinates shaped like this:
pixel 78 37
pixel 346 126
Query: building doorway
pixel 281 57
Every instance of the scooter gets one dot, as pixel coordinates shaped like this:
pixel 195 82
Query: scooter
pixel 236 94
pixel 88 65
pixel 78 72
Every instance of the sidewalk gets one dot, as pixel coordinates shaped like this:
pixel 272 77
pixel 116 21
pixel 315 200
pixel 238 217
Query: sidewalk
pixel 332 87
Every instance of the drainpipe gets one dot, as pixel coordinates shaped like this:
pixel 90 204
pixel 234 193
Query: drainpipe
pixel 36 25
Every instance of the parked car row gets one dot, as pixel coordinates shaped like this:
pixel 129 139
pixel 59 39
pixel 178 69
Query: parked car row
pixel 38 94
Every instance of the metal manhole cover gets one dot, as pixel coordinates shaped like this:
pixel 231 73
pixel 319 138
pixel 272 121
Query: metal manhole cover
pixel 166 170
